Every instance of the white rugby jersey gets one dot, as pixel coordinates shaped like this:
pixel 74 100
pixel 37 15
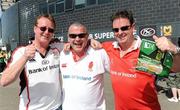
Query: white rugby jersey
pixel 83 84
pixel 40 86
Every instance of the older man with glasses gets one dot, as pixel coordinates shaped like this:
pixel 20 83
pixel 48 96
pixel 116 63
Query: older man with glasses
pixel 82 70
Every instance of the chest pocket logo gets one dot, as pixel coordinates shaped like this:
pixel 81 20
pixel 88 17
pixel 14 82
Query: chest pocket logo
pixel 45 62
pixel 90 66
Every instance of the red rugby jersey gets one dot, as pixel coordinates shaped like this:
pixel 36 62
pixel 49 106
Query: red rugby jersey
pixel 133 90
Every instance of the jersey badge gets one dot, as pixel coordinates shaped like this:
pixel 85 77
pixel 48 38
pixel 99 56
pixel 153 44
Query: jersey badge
pixel 45 62
pixel 90 66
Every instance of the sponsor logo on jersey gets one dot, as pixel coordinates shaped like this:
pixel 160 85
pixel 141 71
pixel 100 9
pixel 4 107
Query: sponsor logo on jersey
pixel 45 62
pixel 77 77
pixel 43 69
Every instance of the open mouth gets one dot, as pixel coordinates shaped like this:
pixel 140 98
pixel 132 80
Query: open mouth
pixel 78 44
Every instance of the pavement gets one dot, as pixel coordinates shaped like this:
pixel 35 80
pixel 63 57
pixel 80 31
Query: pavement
pixel 9 96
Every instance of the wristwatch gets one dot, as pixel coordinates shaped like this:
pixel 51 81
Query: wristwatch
pixel 178 50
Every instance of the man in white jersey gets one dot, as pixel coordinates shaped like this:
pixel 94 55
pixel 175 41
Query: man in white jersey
pixel 82 70
pixel 37 66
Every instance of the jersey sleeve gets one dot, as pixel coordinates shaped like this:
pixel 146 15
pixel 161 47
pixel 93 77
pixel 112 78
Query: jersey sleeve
pixel 106 61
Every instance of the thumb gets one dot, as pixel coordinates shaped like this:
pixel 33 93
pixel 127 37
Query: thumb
pixel 33 45
pixel 155 37
pixel 67 47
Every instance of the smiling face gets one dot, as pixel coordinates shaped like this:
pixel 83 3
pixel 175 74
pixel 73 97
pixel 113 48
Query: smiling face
pixel 78 37
pixel 123 30
pixel 44 30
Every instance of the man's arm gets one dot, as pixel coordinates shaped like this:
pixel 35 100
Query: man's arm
pixel 12 72
pixel 166 45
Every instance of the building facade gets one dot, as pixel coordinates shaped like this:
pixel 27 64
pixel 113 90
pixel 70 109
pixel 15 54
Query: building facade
pixel 161 16
pixel 5 4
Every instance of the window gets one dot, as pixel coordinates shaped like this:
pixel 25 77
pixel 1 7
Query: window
pixel 91 2
pixel 69 4
pixel 79 3
pixel 104 1
pixel 43 8
pixel 51 8
pixel 60 6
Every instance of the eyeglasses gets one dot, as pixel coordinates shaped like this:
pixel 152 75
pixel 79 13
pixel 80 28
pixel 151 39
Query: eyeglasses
pixel 123 28
pixel 82 35
pixel 50 30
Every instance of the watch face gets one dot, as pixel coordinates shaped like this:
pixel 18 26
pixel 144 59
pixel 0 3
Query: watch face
pixel 178 49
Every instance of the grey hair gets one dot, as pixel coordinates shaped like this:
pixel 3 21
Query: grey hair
pixel 78 24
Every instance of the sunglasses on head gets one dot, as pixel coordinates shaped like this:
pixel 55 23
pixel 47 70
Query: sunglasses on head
pixel 50 30
pixel 82 35
pixel 123 28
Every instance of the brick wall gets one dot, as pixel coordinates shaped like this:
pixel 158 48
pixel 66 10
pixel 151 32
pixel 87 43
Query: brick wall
pixel 97 17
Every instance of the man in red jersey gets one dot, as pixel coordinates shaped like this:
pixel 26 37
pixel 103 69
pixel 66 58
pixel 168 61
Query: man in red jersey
pixel 133 89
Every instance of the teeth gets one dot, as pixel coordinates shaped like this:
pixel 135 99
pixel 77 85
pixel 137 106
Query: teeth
pixel 78 44
pixel 45 36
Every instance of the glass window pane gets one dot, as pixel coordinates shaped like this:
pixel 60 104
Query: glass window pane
pixel 43 8
pixel 91 2
pixel 59 7
pixel 60 0
pixel 79 3
pixel 51 8
pixel 104 1
pixel 68 4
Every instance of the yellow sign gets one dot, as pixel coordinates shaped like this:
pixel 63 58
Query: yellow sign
pixel 167 30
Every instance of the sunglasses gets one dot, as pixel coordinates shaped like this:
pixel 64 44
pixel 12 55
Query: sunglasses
pixel 50 30
pixel 82 35
pixel 124 28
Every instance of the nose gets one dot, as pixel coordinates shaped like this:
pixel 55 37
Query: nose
pixel 120 31
pixel 46 31
pixel 77 38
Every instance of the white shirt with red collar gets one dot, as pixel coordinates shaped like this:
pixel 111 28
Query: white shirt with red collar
pixel 83 83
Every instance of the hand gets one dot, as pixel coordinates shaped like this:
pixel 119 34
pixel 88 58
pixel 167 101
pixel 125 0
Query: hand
pixel 95 44
pixel 66 47
pixel 165 44
pixel 30 51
